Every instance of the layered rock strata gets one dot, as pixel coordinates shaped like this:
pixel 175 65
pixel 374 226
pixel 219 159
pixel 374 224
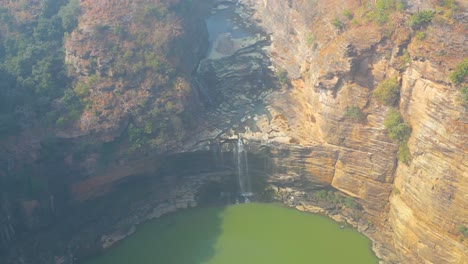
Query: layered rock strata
pixel 341 68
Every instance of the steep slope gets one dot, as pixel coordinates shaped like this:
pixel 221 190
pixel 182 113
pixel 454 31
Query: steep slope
pixel 431 205
pixel 336 55
pixel 123 66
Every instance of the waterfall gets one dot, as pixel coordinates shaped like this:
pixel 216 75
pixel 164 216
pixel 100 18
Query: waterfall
pixel 243 171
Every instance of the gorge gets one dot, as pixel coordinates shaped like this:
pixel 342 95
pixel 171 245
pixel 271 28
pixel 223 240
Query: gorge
pixel 187 103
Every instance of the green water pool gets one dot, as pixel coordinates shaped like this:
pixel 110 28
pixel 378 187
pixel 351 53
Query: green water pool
pixel 241 234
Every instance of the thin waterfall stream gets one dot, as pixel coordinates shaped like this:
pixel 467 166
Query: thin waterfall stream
pixel 243 171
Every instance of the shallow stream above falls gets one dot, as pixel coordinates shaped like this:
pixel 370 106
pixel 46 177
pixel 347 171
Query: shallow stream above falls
pixel 236 74
pixel 241 234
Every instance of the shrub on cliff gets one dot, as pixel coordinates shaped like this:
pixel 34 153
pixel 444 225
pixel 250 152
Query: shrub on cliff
pixel 82 89
pixel 464 93
pixel 138 137
pixel 420 19
pixel 446 12
pixel 336 22
pixel 354 113
pixel 383 9
pixel 310 39
pixel 463 230
pixel 388 91
pixel 350 203
pixel 282 76
pixel 396 128
pixel 420 35
pixel 347 13
pixel 404 153
pixel 460 74
pixel 399 131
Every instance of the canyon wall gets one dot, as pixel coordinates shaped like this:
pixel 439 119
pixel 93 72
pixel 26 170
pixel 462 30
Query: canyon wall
pixel 288 89
pixel 421 203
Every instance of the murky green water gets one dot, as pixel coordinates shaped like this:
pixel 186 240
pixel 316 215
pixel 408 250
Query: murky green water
pixel 241 234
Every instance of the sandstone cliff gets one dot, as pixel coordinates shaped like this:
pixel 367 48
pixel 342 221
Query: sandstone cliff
pixel 335 66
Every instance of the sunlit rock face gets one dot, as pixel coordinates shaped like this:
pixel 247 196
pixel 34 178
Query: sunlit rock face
pixel 334 70
pixel 433 188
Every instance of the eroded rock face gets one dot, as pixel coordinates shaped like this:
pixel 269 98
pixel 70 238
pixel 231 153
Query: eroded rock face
pixel 340 69
pixel 433 188
pixel 333 78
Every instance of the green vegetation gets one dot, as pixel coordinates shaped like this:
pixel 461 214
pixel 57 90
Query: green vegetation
pixel 464 93
pixel 32 68
pixel 404 152
pixel 73 106
pixel 420 35
pixel 6 18
pixel 142 54
pixel 120 32
pixel 396 128
pixel 336 198
pixel 354 113
pixel 100 30
pixel 267 194
pixel 383 9
pixel 463 230
pixel 404 60
pixel 448 4
pixel 459 77
pixel 460 74
pixel 347 13
pixel 421 19
pixel 388 91
pixel 395 190
pixel 350 203
pixel 282 76
pixel 69 15
pixel 82 89
pixel 139 137
pixel 310 38
pixel 399 131
pixel 445 11
pixel 155 10
pixel 336 22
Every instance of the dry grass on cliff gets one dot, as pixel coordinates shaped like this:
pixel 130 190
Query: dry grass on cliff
pixel 132 48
